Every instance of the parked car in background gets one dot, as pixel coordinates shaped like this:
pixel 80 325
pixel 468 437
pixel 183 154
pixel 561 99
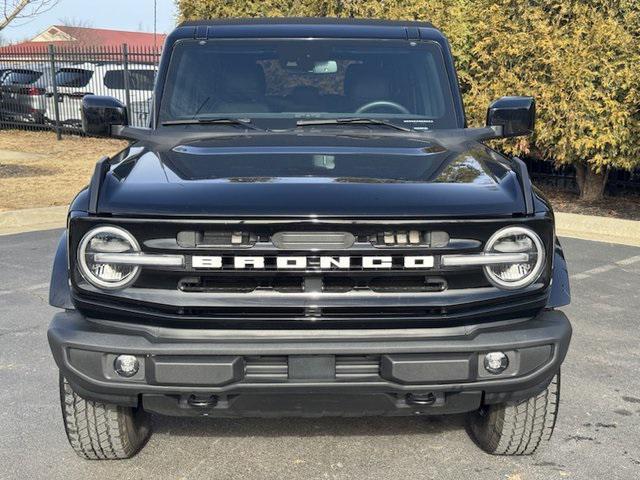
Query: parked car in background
pixel 24 91
pixel 4 71
pixel 75 81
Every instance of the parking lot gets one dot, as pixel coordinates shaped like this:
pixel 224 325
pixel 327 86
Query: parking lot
pixel 597 435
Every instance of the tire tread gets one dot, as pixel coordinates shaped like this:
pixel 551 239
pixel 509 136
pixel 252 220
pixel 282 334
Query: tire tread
pixel 101 431
pixel 518 428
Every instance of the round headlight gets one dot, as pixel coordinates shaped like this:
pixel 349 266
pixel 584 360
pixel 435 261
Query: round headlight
pixel 515 240
pixel 107 240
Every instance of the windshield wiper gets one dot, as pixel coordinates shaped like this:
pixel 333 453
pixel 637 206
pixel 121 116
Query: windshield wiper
pixel 243 122
pixel 351 121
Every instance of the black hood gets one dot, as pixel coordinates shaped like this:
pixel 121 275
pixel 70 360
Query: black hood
pixel 293 175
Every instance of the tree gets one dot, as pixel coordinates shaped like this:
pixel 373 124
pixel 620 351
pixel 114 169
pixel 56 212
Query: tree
pixel 17 9
pixel 579 59
pixel 401 9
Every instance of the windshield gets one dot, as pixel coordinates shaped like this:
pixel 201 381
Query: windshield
pixel 400 81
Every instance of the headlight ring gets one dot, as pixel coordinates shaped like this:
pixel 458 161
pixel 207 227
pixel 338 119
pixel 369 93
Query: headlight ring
pixel 515 240
pixel 107 239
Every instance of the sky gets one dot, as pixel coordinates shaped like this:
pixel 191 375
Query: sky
pixel 116 14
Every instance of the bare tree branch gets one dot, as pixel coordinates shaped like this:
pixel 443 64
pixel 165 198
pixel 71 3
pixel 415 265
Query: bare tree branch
pixel 14 9
pixel 13 13
pixel 75 22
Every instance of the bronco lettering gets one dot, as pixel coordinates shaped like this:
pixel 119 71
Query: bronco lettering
pixel 326 262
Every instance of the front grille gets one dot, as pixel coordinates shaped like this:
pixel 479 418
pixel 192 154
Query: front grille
pixel 391 292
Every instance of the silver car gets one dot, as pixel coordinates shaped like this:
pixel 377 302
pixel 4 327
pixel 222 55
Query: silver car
pixel 75 81
pixel 23 93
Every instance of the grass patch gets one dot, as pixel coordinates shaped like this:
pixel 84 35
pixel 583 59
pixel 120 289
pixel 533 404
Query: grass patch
pixel 36 170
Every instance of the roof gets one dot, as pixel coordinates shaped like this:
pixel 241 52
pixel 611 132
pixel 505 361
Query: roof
pixel 305 27
pixel 307 21
pixel 64 36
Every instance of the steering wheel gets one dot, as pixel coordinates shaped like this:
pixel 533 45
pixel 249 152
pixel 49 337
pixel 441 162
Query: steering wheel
pixel 383 103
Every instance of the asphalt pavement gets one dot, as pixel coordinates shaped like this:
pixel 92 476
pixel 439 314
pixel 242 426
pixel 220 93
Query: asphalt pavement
pixel 597 435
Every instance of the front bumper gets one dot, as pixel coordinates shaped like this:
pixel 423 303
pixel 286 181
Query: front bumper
pixel 309 372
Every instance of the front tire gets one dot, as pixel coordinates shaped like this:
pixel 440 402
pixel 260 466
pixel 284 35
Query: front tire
pixel 516 428
pixel 102 431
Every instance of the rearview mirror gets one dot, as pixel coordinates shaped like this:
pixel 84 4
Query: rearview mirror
pixel 516 116
pixel 330 66
pixel 305 65
pixel 99 114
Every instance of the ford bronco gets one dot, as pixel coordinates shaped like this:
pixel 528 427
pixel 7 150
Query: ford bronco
pixel 308 227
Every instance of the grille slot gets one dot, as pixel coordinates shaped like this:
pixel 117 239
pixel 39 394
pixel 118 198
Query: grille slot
pixel 367 312
pixel 217 284
pixel 246 284
pixel 410 238
pixel 408 284
pixel 352 368
pixel 216 239
pixel 313 240
pixel 266 369
pixel 276 369
pixel 293 284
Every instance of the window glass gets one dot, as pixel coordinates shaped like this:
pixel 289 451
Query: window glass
pixel 73 77
pixel 21 77
pixel 302 78
pixel 139 79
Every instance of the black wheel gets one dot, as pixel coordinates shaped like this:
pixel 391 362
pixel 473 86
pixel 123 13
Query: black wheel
pixel 518 428
pixel 102 431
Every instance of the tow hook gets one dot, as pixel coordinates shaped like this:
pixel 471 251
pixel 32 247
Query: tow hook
pixel 421 399
pixel 205 401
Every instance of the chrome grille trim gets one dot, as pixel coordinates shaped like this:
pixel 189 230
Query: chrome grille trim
pixel 144 259
pixel 140 259
pixel 483 259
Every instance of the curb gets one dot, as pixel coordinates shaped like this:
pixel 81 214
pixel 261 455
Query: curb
pixel 32 219
pixel 600 229
pixel 586 227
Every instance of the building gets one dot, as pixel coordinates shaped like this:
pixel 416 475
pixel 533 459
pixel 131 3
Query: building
pixel 79 44
pixel 86 38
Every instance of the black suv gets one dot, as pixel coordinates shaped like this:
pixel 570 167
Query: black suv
pixel 308 227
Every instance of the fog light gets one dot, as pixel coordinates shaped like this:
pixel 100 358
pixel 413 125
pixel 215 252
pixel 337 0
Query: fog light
pixel 496 362
pixel 126 365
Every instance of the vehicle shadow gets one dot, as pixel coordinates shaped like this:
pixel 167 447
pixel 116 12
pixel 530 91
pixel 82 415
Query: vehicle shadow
pixel 306 427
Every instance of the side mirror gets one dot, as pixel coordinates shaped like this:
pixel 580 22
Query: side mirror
pixel 516 116
pixel 99 114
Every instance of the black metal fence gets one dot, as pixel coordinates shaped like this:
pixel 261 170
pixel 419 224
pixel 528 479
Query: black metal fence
pixel 619 182
pixel 42 86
